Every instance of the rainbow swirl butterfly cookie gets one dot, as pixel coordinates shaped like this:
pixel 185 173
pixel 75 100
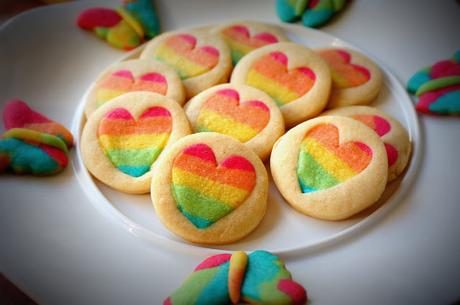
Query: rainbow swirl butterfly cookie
pixel 134 75
pixel 32 144
pixel 393 134
pixel 330 167
pixel 245 36
pixel 257 278
pixel 123 138
pixel 201 59
pixel 295 77
pixel 239 111
pixel 209 189
pixel 356 80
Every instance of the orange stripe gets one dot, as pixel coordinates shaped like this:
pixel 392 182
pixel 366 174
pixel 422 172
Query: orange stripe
pixel 143 85
pixel 235 177
pixel 115 82
pixel 255 117
pixel 154 125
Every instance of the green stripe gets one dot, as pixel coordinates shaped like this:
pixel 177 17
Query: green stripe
pixel 196 204
pixel 311 174
pixel 133 157
pixel 438 83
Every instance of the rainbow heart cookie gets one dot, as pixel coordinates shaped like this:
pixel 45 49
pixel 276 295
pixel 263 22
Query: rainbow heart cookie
pixel 330 167
pixel 33 144
pixel 134 75
pixel 393 134
pixel 257 278
pixel 206 191
pixel 123 138
pixel 294 76
pixel 238 111
pixel 244 37
pixel 201 59
pixel 324 163
pixel 209 188
pixel 355 78
pixel 132 146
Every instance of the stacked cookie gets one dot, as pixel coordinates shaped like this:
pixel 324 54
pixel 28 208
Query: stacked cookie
pixel 243 84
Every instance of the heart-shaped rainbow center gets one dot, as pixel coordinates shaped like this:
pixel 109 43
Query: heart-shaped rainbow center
pixel 241 42
pixel 123 81
pixel 270 74
pixel 223 113
pixel 381 127
pixel 180 52
pixel 206 191
pixel 324 163
pixel 132 146
pixel 345 74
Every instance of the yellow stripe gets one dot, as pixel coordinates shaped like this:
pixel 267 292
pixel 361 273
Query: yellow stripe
pixel 234 45
pixel 133 141
pixel 184 66
pixel 225 193
pixel 328 160
pixel 103 95
pixel 270 86
pixel 215 122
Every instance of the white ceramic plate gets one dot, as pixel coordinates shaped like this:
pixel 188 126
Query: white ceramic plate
pixel 283 229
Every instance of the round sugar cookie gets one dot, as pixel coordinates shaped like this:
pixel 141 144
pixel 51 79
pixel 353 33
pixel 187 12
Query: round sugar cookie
pixel 123 138
pixel 202 59
pixel 295 77
pixel 134 75
pixel 209 189
pixel 243 37
pixel 356 80
pixel 393 134
pixel 330 167
pixel 239 111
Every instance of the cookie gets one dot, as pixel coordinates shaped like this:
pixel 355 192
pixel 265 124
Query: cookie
pixel 330 167
pixel 123 138
pixel 209 189
pixel 258 278
pixel 32 144
pixel 244 113
pixel 134 75
pixel 201 59
pixel 356 80
pixel 245 36
pixel 393 134
pixel 295 77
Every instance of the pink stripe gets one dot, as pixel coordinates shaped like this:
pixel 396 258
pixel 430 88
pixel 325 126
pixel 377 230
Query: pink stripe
pixel 344 54
pixel 211 50
pixel 154 77
pixel 267 37
pixel 392 154
pixel 259 104
pixel 295 291
pixel 237 162
pixel 280 57
pixel 382 126
pixel 201 151
pixel 308 72
pixel 364 148
pixel 155 112
pixel 56 154
pixel 119 114
pixel 124 74
pixel 17 114
pixel 233 94
pixel 189 39
pixel 213 261
pixel 241 29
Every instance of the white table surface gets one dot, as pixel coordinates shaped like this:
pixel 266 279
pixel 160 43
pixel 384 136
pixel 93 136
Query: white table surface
pixel 67 253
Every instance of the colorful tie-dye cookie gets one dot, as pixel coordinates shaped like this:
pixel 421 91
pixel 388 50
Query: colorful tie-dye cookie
pixel 330 167
pixel 134 75
pixel 393 134
pixel 209 189
pixel 201 59
pixel 319 12
pixel 239 111
pixel 438 87
pixel 123 138
pixel 32 144
pixel 245 36
pixel 145 13
pixel 356 80
pixel 295 77
pixel 257 278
